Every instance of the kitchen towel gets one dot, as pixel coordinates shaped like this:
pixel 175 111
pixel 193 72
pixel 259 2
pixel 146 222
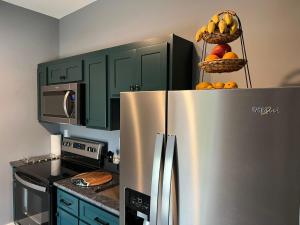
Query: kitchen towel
pixel 55 167
pixel 56 144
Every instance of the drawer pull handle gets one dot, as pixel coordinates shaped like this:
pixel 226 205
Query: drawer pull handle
pixel 65 203
pixel 101 222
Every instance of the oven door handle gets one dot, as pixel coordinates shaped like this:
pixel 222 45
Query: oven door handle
pixel 65 103
pixel 30 185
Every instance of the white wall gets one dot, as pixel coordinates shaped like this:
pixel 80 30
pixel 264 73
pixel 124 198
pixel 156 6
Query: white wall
pixel 26 39
pixel 271 30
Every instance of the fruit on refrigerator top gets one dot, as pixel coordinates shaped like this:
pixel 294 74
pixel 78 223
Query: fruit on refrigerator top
pixel 230 55
pixel 221 49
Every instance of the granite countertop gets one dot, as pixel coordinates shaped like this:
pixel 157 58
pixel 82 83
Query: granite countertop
pixel 17 163
pixel 104 196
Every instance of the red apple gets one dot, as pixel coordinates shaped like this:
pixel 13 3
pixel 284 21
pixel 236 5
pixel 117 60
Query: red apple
pixel 220 50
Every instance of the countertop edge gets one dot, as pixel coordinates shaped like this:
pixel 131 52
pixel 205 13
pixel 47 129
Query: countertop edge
pixel 96 203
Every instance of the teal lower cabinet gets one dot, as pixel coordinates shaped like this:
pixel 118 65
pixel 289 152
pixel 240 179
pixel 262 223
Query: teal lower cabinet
pixel 67 202
pixel 64 218
pixel 96 216
pixel 71 210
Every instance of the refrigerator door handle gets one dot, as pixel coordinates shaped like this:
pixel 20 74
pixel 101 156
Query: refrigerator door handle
pixel 159 144
pixel 167 176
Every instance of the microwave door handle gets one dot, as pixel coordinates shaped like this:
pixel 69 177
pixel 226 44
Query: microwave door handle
pixel 159 144
pixel 167 179
pixel 65 103
pixel 30 185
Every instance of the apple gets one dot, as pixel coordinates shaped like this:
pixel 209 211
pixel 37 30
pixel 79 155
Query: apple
pixel 221 49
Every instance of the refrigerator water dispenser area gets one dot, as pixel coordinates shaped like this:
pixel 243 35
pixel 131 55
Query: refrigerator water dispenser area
pixel 137 208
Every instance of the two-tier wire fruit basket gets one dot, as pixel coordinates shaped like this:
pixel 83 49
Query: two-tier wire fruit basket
pixel 223 28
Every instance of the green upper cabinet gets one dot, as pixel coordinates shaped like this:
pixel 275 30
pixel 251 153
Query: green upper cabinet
pixel 152 65
pixel 156 64
pixel 65 72
pixel 41 81
pixel 122 71
pixel 96 91
pixel 139 69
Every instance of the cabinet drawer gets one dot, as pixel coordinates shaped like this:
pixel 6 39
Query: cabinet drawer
pixel 96 216
pixel 67 202
pixel 64 218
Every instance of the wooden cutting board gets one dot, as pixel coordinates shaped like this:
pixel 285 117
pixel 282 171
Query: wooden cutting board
pixel 91 179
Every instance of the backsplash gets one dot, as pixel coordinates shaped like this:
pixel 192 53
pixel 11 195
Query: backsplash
pixel 111 137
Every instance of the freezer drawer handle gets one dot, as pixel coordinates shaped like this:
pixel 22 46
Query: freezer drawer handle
pixel 101 222
pixel 30 185
pixel 166 188
pixel 159 144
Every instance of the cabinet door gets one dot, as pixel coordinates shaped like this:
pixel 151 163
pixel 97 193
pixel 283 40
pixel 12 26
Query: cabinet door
pixel 122 72
pixel 96 91
pixel 65 72
pixel 41 80
pixel 152 64
pixel 64 218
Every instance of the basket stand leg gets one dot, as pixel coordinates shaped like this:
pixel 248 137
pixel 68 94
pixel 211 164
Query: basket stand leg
pixel 246 67
pixel 203 55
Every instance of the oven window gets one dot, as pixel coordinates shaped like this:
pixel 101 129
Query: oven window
pixel 31 206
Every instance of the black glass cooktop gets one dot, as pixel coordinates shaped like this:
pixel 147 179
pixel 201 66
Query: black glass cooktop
pixel 51 171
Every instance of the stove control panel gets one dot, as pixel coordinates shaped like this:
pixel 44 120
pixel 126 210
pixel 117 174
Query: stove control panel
pixel 84 147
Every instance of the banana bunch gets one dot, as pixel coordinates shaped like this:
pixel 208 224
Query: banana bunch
pixel 227 24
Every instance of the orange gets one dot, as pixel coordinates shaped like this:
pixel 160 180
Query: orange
pixel 230 55
pixel 211 57
pixel 202 85
pixel 218 85
pixel 209 87
pixel 230 85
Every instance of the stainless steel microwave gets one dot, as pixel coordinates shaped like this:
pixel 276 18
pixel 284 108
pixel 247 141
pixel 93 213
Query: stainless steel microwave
pixel 62 103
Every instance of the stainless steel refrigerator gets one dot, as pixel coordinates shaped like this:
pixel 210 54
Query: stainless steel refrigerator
pixel 223 157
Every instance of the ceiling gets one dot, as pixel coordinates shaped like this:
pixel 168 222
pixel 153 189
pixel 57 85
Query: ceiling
pixel 54 8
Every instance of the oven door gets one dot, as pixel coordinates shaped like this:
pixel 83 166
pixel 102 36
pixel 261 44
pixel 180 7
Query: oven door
pixel 61 103
pixel 31 201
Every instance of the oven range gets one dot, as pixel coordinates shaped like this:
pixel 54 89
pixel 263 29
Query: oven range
pixel 34 193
